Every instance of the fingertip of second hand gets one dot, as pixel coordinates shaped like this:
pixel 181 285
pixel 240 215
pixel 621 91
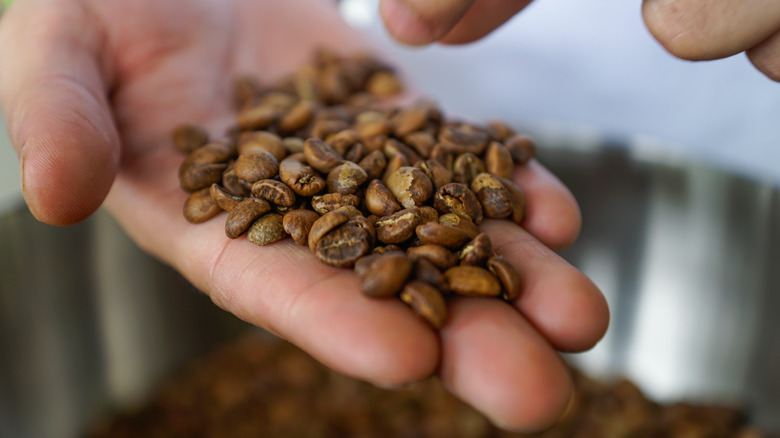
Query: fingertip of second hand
pixel 405 25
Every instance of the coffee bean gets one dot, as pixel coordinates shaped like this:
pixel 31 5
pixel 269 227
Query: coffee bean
pixel 223 198
pixel 211 153
pixel 426 271
pixel 326 223
pixel 428 214
pixel 343 140
pixel 493 196
pixel 499 130
pixel 384 84
pixel 298 116
pixel 255 141
pixel 267 229
pixel 342 246
pixel 442 155
pixel 293 145
pixel 302 179
pixel 444 235
pixel 521 147
pixel 355 153
pixel 346 178
pixel 398 227
pixel 243 215
pixel 361 221
pixel 374 164
pixel 409 120
pixel 393 147
pixel 327 127
pixel 187 138
pixel 507 275
pixel 461 222
pixel 440 256
pixel 410 186
pixel 477 251
pixel 333 201
pixel 422 142
pixel 298 223
pixel 464 138
pixel 194 177
pixel 246 91
pixel 472 281
pixel 258 117
pixel 458 199
pixel 199 206
pixel 466 167
pixel 426 301
pixel 384 275
pixel 436 172
pixel 320 155
pixel 373 127
pixel 233 185
pixel 518 201
pixel 379 200
pixel 498 160
pixel 255 166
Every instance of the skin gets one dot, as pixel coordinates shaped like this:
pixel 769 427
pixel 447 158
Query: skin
pixel 689 29
pixel 90 98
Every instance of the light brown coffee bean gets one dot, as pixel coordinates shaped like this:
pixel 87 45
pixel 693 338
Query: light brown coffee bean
pixel 243 215
pixel 441 154
pixel 436 172
pixel 507 275
pixel 409 120
pixel 499 130
pixel 320 155
pixel 374 164
pixel 440 256
pixel 326 126
pixel 298 116
pixel 223 198
pixel 426 271
pixel 194 177
pixel 472 281
pixel 458 199
pixel 361 221
pixel 466 167
pixel 275 192
pixel 218 151
pixel 256 166
pixel 258 117
pixel 199 206
pixel 375 143
pixel 255 141
pixel 374 127
pixel 477 251
pixel 379 200
pixel 188 137
pixel 232 184
pixel 518 201
pixel 293 145
pixel 343 140
pixel 428 214
pixel 426 301
pixel 464 138
pixel 352 211
pixel 325 224
pixel 385 274
pixel 399 226
pixel 355 153
pixel 267 229
pixel 394 164
pixel 343 246
pixel 302 179
pixel 498 161
pixel 346 178
pixel 393 147
pixel 410 186
pixel 298 223
pixel 493 196
pixel 521 147
pixel 384 84
pixel 333 201
pixel 438 234
pixel 461 222
pixel 422 142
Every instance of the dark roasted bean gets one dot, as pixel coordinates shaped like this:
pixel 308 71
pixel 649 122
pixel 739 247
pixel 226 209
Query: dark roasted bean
pixel 258 117
pixel 199 206
pixel 507 275
pixel 298 223
pixel 426 301
pixel 472 281
pixel 244 214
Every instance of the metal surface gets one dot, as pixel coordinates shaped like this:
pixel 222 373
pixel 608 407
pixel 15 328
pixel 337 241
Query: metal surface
pixel 686 255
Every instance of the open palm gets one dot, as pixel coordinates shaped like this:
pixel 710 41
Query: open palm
pixel 91 91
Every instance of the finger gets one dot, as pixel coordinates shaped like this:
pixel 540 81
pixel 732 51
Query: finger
pixel 559 300
pixel 495 361
pixel 53 93
pixel 281 287
pixel 483 17
pixel 766 56
pixel 696 30
pixel 420 22
pixel 552 213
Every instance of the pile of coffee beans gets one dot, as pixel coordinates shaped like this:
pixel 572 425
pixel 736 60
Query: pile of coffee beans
pixel 260 386
pixel 395 192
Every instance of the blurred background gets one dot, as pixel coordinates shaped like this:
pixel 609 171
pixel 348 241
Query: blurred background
pixel 676 166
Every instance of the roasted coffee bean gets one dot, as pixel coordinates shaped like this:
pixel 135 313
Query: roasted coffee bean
pixel 298 223
pixel 343 140
pixel 373 127
pixel 499 130
pixel 322 129
pixel 199 206
pixel 293 145
pixel 466 167
pixel 343 246
pixel 498 161
pixel 352 211
pixel 410 186
pixel 275 192
pixel 362 222
pixel 440 256
pixel 425 270
pixel 375 143
pixel 246 91
pixel 325 224
pixel 408 121
pixel 521 147
pixel 223 198
pixel 394 164
pixel 384 84
pixel 384 249
pixel 267 229
pixel 258 117
pixel 464 138
pixel 384 275
pixel 374 164
pixel 298 116
pixel 379 200
pixel 302 179
pixel 195 177
pixel 472 281
pixel 187 138
pixel 493 196
pixel 426 301
pixel 346 178
pixel 443 156
pixel 399 226
pixel 255 166
pixel 393 147
pixel 507 275
pixel 422 142
pixel 232 184
pixel 428 214
pixel 444 235
pixel 518 201
pixel 355 153
pixel 477 251
pixel 210 153
pixel 458 199
pixel 244 214
pixel 333 201
pixel 436 172
pixel 320 155
pixel 255 141
pixel 461 222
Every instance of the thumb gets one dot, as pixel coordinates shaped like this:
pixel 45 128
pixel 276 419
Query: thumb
pixel 53 93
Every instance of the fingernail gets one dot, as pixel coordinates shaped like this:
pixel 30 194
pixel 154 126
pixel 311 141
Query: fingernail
pixel 404 24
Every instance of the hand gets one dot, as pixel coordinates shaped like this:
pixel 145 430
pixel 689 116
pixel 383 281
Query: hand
pixel 688 29
pixel 92 90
